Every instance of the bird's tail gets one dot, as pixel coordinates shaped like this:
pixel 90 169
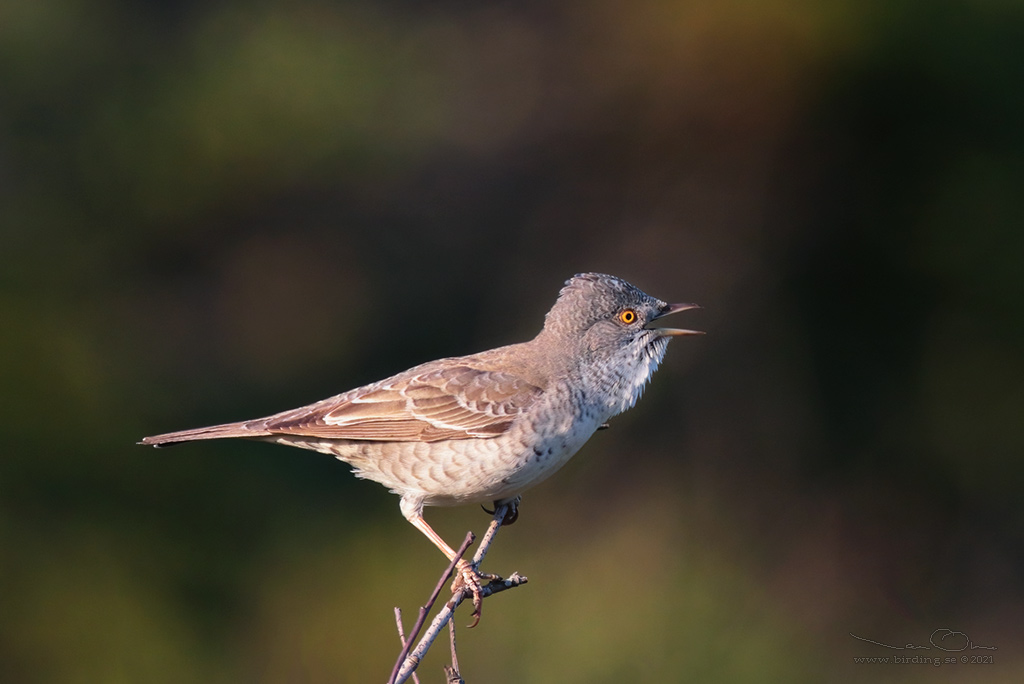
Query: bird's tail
pixel 244 430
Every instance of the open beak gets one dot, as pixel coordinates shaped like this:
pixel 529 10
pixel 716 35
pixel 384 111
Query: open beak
pixel 673 332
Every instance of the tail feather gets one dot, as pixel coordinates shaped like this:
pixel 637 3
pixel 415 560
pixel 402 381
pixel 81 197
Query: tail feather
pixel 225 431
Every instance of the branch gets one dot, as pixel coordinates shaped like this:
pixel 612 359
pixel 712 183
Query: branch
pixel 408 662
pixel 451 672
pixel 426 608
pixel 402 639
pixel 492 531
pixel 442 618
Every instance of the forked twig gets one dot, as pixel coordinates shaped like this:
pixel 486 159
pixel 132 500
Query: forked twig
pixel 408 662
pixel 451 639
pixel 425 609
pixel 401 637
pixel 452 675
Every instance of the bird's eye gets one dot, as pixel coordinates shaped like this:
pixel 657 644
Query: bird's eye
pixel 627 316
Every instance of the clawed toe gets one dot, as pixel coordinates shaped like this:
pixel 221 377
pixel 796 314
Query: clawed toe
pixel 511 515
pixel 469 579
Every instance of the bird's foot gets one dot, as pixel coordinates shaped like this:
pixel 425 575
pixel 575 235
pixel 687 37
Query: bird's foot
pixel 469 580
pixel 511 513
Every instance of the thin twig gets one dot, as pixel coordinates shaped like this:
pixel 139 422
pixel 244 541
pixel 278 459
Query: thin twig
pixel 452 675
pixel 398 621
pixel 455 653
pixel 492 531
pixel 401 636
pixel 426 608
pixel 444 615
pixel 412 660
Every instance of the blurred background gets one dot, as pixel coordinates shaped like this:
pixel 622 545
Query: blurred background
pixel 212 211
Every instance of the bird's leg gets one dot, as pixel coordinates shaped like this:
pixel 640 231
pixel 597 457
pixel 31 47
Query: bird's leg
pixel 467 576
pixel 420 524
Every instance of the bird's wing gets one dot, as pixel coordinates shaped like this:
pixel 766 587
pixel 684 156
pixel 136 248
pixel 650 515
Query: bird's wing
pixel 436 403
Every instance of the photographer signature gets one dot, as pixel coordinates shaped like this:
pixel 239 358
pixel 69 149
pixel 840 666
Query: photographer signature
pixel 942 634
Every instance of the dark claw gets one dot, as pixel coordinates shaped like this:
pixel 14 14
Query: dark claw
pixel 604 426
pixel 511 515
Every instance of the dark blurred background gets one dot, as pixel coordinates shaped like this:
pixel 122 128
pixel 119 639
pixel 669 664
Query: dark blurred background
pixel 212 211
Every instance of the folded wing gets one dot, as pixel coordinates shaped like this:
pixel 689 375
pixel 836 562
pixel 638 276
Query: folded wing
pixel 450 402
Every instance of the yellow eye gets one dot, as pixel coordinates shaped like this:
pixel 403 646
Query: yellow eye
pixel 627 316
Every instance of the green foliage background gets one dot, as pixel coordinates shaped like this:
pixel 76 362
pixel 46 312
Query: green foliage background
pixel 217 210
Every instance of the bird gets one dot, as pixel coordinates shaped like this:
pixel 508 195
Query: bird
pixel 485 427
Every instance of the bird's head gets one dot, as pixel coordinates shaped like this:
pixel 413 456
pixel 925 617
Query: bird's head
pixel 610 325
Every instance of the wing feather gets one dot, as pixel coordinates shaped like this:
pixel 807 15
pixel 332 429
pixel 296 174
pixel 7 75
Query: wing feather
pixel 429 404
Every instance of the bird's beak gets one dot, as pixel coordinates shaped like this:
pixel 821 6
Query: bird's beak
pixel 673 332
